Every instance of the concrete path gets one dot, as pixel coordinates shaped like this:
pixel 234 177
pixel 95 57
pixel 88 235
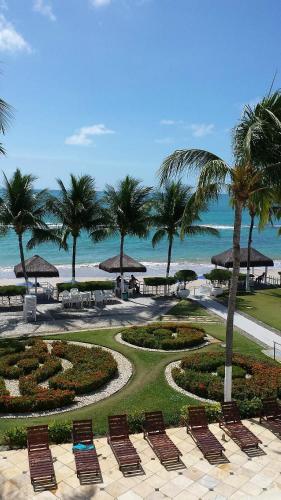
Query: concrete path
pixel 259 332
pixel 51 318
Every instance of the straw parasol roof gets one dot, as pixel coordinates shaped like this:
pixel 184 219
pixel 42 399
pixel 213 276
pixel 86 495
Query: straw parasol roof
pixel 36 267
pixel 130 265
pixel 225 259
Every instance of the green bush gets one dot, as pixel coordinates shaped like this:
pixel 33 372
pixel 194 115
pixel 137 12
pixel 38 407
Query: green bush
pixel 186 275
pixel 91 369
pixel 60 432
pixel 213 412
pixel 220 275
pixel 198 375
pixel 166 336
pixel 9 346
pixel 15 437
pixel 159 281
pixel 86 286
pixel 3 390
pixel 27 365
pixel 12 291
pixel 237 371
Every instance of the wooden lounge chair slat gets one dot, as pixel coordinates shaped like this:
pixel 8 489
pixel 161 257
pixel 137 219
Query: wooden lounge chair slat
pixel 233 426
pixel 41 466
pixel 162 445
pixel 124 452
pixel 86 461
pixel 201 434
pixel 271 415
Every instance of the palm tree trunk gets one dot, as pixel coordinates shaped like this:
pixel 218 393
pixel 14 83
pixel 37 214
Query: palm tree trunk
pixel 121 261
pixel 22 258
pixel 250 240
pixel 74 258
pixel 169 256
pixel 232 301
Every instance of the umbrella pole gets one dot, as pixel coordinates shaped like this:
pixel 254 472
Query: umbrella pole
pixel 35 285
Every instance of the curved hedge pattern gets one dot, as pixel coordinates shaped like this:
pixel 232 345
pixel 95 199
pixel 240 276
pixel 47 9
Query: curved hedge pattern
pixel 254 379
pixel 166 336
pixel 31 364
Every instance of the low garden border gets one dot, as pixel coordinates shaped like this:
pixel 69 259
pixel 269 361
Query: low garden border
pixel 125 371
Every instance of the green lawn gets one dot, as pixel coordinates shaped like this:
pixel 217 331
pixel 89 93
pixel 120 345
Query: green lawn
pixel 188 308
pixel 264 305
pixel 147 389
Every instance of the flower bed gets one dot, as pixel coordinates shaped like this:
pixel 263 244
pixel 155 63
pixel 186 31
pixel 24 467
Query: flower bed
pixel 166 336
pixel 95 368
pixel 202 375
pixel 33 364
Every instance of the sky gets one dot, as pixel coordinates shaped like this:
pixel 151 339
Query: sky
pixel 111 87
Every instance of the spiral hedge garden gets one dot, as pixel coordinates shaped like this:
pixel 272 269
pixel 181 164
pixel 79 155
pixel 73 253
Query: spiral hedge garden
pixel 202 374
pixel 167 336
pixel 31 364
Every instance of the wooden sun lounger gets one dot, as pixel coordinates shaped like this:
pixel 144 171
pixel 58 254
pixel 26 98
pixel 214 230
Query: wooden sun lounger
pixel 41 465
pixel 125 453
pixel 271 415
pixel 86 461
pixel 198 429
pixel 163 447
pixel 232 425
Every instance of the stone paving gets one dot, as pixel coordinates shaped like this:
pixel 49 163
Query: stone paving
pixel 241 478
pixel 51 318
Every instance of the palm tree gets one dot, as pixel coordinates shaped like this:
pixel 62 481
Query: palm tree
pixel 175 212
pixel 6 114
pixel 257 166
pixel 78 209
pixel 129 211
pixel 22 209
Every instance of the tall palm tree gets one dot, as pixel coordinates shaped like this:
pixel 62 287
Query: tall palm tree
pixel 6 114
pixel 175 212
pixel 129 211
pixel 78 209
pixel 22 209
pixel 257 166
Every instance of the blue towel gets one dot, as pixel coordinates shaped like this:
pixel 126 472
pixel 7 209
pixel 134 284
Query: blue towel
pixel 83 447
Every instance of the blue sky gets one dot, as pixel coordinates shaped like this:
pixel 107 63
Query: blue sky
pixel 110 87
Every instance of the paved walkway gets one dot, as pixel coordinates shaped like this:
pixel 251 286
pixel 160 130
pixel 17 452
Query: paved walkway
pixel 240 478
pixel 260 333
pixel 52 318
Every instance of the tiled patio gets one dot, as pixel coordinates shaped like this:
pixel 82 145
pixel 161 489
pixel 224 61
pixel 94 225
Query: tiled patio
pixel 242 478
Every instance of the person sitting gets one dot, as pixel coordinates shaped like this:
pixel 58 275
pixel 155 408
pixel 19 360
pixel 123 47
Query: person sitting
pixel 260 278
pixel 134 283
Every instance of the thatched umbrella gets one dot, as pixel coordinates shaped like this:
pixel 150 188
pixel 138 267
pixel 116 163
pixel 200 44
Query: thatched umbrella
pixel 225 259
pixel 130 265
pixel 36 267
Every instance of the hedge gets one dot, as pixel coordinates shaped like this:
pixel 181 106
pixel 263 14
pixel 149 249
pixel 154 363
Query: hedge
pixel 186 275
pixel 167 336
pixel 220 275
pixel 198 374
pixel 159 281
pixel 12 291
pixel 91 369
pixel 86 286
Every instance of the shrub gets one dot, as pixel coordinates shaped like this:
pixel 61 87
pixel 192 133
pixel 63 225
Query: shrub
pixel 94 368
pixel 27 365
pixel 12 291
pixel 60 432
pixel 237 371
pixel 159 281
pixel 220 275
pixel 3 390
pixel 186 275
pixel 198 374
pixel 15 437
pixel 87 286
pixel 213 412
pixel 9 346
pixel 166 336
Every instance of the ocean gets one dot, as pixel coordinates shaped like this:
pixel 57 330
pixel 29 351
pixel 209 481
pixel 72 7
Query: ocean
pixel 192 253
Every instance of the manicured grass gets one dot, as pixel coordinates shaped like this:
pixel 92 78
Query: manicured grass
pixel 147 389
pixel 264 305
pixel 188 308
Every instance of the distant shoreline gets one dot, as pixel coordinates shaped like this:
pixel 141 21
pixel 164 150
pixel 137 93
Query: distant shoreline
pixel 90 271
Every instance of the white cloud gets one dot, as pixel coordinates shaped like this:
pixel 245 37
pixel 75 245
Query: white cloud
pixel 45 9
pixel 83 136
pixel 100 3
pixel 171 122
pixel 164 140
pixel 10 39
pixel 202 129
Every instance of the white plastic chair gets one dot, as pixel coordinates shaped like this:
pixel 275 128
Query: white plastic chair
pixel 65 298
pixel 85 298
pixel 29 308
pixel 204 290
pixel 108 295
pixel 74 291
pixel 99 297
